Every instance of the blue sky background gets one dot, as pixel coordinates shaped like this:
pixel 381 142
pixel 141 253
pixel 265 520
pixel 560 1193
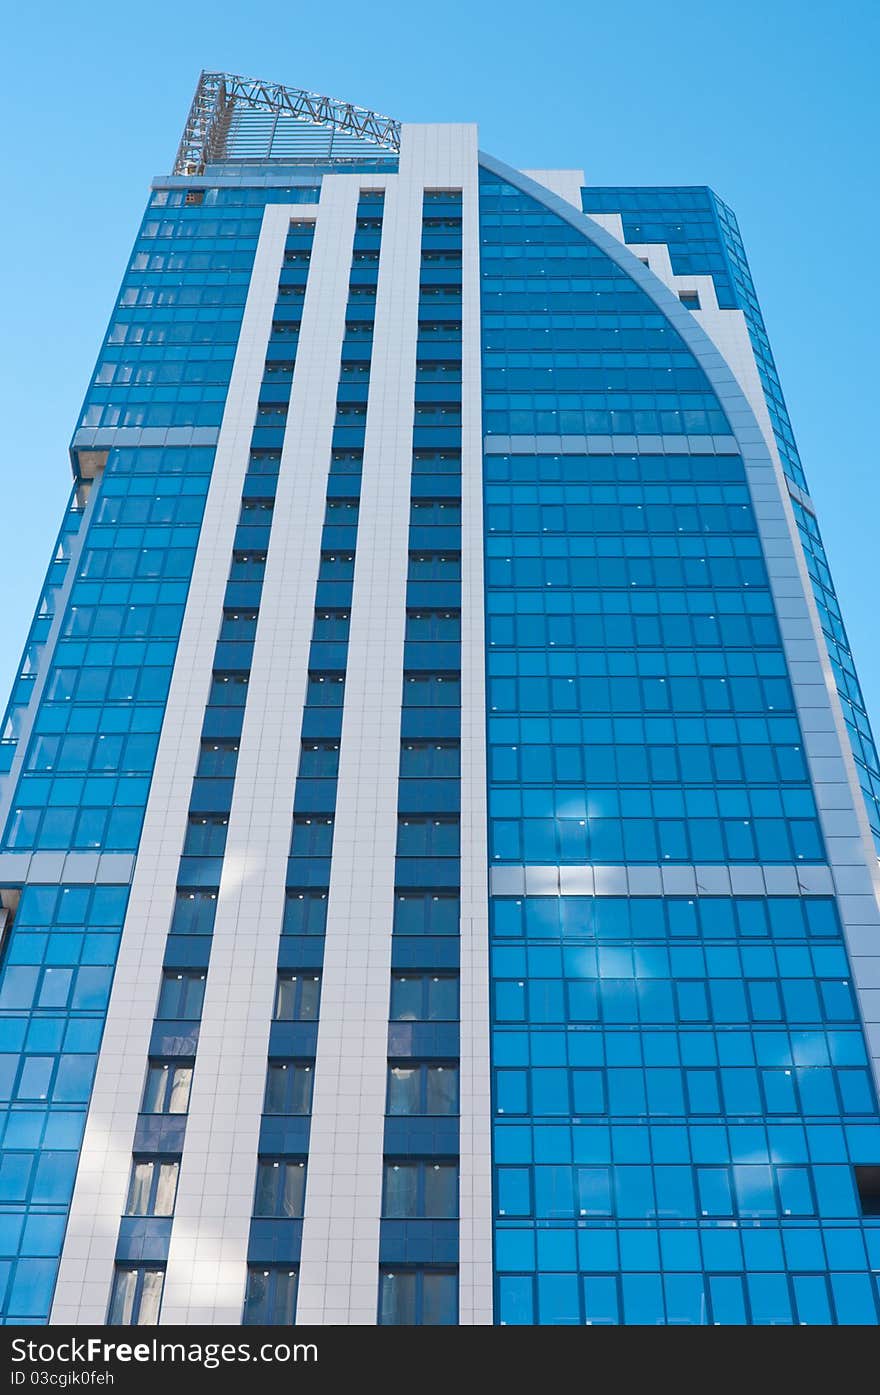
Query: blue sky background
pixel 772 102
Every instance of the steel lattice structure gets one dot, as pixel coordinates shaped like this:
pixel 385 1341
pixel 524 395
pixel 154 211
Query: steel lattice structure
pixel 219 94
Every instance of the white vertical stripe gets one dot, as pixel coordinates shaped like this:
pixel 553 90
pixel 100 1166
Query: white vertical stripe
pixel 340 1253
pixel 205 1278
pixel 86 1270
pixel 338 1274
pixel 475 1188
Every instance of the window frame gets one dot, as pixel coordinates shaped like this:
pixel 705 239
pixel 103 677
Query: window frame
pixel 421 1167
pixel 271 1317
pixel 424 1069
pixel 157 1163
pixel 171 1066
pixel 142 1272
pixel 279 1064
pixel 419 1273
pixel 266 1165
pixel 300 978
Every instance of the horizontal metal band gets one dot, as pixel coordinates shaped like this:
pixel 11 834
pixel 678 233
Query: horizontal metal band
pixel 106 438
pixel 82 867
pixel 637 879
pixel 610 445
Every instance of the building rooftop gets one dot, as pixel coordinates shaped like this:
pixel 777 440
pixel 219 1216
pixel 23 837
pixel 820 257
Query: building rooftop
pixel 239 119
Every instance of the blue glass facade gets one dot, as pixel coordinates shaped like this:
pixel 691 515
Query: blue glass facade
pixel 680 1094
pixel 55 986
pixel 165 364
pixel 703 238
pixel 85 776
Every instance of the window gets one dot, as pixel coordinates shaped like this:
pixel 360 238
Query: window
pixel 297 997
pixel 153 1187
pixel 281 1187
pixel 428 837
pixel 436 760
pixel 325 689
pixel 868 1188
pixel 270 1297
pixel 429 513
pixel 247 566
pixel 206 835
pixel 420 1189
pixel 439 291
pixel 136 1296
pixel 266 462
pixel 422 1088
pixel 690 298
pixel 228 690
pixel 238 624
pixel 167 1088
pixel 446 370
pixel 289 1087
pixel 194 913
pixel 424 998
pixel 217 760
pixel 418 1297
pixel 433 624
pixel 311 837
pixel 331 625
pixel 341 510
pixel 435 566
pixel 181 995
pixel 425 913
pixel 319 759
pixel 432 690
pixel 429 462
pixel 305 912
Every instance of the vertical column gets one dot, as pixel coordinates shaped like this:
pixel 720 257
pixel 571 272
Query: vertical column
pixel 338 1271
pixel 475 1169
pixel 86 1270
pixel 276 1228
pixel 205 1278
pixel 340 1247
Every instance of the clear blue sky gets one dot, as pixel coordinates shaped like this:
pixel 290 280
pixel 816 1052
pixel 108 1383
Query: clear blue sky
pixel 773 102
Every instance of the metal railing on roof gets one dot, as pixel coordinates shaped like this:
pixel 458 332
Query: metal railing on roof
pixel 220 98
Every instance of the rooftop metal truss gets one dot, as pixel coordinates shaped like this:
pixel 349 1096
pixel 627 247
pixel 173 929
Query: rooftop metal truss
pixel 222 98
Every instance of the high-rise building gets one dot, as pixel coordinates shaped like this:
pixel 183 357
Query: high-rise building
pixel 437 869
